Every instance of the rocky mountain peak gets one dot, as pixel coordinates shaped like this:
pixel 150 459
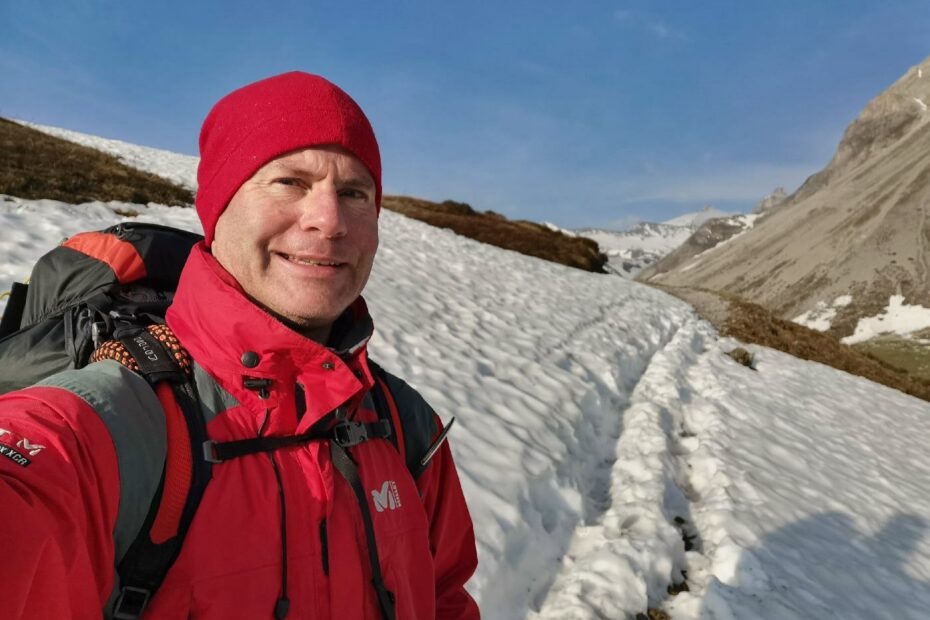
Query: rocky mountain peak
pixel 774 199
pixel 887 118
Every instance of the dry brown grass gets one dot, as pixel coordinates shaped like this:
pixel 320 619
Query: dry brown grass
pixel 754 324
pixel 494 229
pixel 36 165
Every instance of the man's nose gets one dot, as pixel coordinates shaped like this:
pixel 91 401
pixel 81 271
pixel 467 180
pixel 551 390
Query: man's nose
pixel 321 210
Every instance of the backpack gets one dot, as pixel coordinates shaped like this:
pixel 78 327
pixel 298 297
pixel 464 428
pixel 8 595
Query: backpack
pixel 83 291
pixel 103 295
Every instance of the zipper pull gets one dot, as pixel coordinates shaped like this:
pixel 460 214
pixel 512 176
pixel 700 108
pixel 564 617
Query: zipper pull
pixel 436 444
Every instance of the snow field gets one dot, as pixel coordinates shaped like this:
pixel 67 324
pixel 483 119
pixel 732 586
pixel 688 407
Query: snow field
pixel 810 494
pixel 623 561
pixel 897 318
pixel 538 362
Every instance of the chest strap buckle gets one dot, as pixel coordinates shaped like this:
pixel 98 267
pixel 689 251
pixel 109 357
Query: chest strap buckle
pixel 131 603
pixel 348 434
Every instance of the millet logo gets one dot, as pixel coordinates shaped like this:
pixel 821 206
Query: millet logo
pixel 15 455
pixel 387 498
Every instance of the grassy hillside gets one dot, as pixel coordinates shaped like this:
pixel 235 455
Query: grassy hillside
pixel 517 235
pixel 909 355
pixel 36 165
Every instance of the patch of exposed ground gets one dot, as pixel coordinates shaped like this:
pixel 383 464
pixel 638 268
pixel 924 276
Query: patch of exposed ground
pixel 904 367
pixel 710 306
pixel 36 165
pixel 754 324
pixel 492 228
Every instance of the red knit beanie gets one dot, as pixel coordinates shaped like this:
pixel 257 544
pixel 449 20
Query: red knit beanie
pixel 251 126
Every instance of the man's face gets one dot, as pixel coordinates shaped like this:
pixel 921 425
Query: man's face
pixel 300 236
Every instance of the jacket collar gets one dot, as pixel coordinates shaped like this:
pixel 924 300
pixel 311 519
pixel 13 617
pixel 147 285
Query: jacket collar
pixel 219 325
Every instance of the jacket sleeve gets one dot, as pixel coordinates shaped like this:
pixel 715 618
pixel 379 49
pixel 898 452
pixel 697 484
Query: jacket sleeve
pixel 452 537
pixel 59 495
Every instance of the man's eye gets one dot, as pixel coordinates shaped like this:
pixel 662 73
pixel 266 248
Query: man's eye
pixel 287 181
pixel 354 193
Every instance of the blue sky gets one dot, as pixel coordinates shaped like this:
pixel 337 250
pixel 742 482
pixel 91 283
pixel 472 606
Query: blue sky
pixel 598 114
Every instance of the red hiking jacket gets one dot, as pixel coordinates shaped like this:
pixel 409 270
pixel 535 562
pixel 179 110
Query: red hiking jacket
pixel 82 453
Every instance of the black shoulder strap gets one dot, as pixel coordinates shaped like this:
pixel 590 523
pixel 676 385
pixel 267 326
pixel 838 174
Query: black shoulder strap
pixel 380 400
pixel 144 566
pixel 421 440
pixel 13 313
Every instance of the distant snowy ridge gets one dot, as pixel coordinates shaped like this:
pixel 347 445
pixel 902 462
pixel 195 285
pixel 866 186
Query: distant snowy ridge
pixel 736 224
pixel 694 220
pixel 633 250
pixel 711 235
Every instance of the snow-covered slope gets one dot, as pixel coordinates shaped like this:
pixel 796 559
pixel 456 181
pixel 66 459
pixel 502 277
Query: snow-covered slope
pixel 600 425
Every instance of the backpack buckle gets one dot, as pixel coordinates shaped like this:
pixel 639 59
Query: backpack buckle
pixel 348 434
pixel 131 603
pixel 209 452
pixel 98 333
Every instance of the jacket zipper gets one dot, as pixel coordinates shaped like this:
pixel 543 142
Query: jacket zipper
pixel 324 546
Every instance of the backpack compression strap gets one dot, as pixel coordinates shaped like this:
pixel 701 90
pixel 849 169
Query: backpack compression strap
pixel 117 350
pixel 13 314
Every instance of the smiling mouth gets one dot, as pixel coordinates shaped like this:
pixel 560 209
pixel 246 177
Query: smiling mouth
pixel 310 261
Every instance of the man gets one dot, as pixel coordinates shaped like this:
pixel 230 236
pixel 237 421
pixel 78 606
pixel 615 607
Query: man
pixel 269 309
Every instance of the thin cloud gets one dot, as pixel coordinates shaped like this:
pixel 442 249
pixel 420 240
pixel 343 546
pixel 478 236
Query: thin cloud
pixel 657 27
pixel 622 15
pixel 664 31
